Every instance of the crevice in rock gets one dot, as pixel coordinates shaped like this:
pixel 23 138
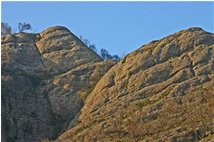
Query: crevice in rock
pixel 41 56
pixel 191 65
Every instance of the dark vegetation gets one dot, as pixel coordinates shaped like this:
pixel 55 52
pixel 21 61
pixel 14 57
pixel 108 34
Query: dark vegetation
pixel 24 26
pixel 104 54
pixel 7 29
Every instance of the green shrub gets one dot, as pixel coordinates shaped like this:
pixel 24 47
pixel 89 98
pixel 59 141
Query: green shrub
pixel 143 103
pixel 123 115
pixel 79 130
pixel 82 128
pixel 124 60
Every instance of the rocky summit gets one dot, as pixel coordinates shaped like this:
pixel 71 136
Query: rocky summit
pixel 56 88
pixel 45 80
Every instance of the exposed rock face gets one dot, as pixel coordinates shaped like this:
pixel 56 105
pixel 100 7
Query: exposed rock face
pixel 62 51
pixel 45 80
pixel 161 92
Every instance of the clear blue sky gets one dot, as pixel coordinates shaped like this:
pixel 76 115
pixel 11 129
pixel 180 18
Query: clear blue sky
pixel 119 27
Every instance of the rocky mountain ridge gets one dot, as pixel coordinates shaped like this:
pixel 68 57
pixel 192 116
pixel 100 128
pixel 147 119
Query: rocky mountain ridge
pixel 55 87
pixel 45 79
pixel 163 91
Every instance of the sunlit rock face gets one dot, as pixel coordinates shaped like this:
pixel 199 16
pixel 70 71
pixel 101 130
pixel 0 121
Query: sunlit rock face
pixel 163 91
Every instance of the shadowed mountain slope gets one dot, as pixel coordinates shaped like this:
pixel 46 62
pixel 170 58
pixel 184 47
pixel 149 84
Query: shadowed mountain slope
pixel 45 80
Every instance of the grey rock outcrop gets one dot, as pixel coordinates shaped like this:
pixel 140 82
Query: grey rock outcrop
pixel 45 80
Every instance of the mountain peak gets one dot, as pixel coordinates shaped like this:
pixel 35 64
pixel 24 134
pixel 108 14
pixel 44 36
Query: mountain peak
pixel 56 28
pixel 195 29
pixel 45 79
pixel 53 84
pixel 153 94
